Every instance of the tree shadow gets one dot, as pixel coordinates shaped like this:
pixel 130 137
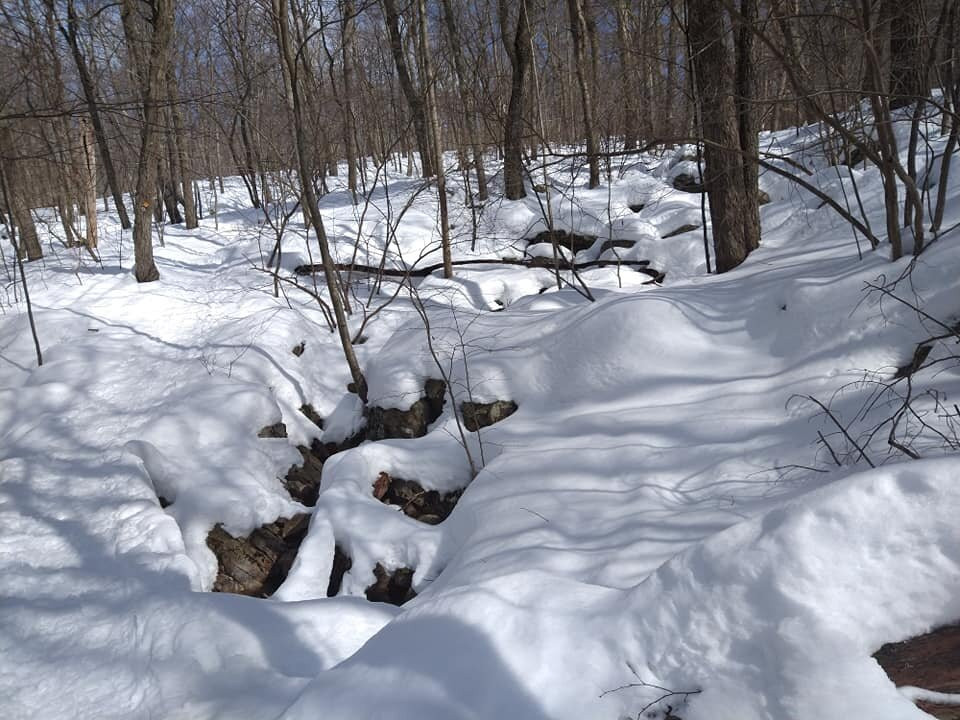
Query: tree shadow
pixel 424 666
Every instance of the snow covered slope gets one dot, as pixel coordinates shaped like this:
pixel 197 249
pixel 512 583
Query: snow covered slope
pixel 655 527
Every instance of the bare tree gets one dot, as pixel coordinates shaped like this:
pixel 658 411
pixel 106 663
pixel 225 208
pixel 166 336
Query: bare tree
pixel 148 42
pixel 16 198
pixel 578 31
pixel 729 134
pixel 290 66
pixel 520 52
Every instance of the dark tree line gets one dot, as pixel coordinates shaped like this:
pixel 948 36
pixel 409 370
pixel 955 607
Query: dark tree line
pixel 147 98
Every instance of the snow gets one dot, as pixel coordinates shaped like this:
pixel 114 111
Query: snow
pixel 656 525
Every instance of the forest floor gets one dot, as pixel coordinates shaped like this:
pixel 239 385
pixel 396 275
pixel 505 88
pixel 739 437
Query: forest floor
pixel 668 524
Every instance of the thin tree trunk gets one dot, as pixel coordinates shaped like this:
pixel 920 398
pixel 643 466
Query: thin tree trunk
pixel 431 98
pixel 347 11
pixel 89 94
pixel 292 94
pixel 161 22
pixel 578 31
pixel 184 177
pixel 470 114
pixel 518 50
pixel 8 200
pixel 732 205
pixel 414 97
pixel 905 23
pixel 88 166
pixel 627 78
pixel 16 201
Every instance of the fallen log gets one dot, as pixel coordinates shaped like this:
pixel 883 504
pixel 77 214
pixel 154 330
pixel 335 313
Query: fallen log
pixel 641 266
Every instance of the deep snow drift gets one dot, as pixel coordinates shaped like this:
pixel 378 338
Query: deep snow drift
pixel 656 526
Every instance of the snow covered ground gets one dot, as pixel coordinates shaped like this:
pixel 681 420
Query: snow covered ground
pixel 657 526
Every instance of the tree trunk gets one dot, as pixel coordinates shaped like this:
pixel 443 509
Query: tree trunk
pixel 904 18
pixel 434 128
pixel 578 31
pixel 151 91
pixel 183 177
pixel 733 207
pixel 89 94
pixel 309 196
pixel 747 115
pixel 347 11
pixel 413 96
pixel 88 167
pixel 470 115
pixel 520 54
pixel 19 208
pixel 627 78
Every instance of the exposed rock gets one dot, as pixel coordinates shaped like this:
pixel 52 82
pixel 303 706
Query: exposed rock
pixel 680 230
pixel 164 503
pixel 931 662
pixel 763 197
pixel 427 506
pixel 312 415
pixel 303 481
pixel 636 207
pixel 687 183
pixel 298 349
pixel 572 241
pixel 385 423
pixel 620 244
pixel 257 564
pixel 277 430
pixel 395 588
pixel 481 415
pixel 341 564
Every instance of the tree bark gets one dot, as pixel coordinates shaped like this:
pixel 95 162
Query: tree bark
pixel 309 195
pixel 90 96
pixel 184 177
pixel 414 96
pixel 347 11
pixel 88 172
pixel 470 114
pixel 152 76
pixel 520 53
pixel 904 18
pixel 429 82
pixel 16 198
pixel 733 207
pixel 578 31
pixel 627 77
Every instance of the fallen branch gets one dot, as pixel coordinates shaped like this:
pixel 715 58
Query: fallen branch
pixel 641 266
